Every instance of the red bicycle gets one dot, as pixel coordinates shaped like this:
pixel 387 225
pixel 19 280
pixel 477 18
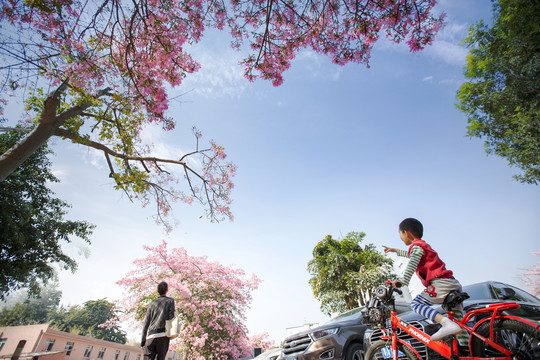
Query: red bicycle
pixel 495 336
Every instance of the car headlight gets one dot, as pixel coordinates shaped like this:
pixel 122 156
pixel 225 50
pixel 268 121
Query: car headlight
pixel 322 333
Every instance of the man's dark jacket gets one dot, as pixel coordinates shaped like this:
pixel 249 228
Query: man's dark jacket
pixel 159 310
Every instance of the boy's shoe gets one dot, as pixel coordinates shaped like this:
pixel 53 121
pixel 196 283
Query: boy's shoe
pixel 448 328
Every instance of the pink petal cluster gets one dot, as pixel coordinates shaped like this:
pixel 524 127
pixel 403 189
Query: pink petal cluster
pixel 531 278
pixel 211 298
pixel 138 47
pixel 261 341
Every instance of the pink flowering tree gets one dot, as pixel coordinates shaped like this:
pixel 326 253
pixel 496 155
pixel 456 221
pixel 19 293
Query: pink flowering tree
pixel 211 299
pixel 261 341
pixel 106 66
pixel 531 278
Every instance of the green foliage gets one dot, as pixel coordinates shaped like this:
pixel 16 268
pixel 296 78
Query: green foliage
pixel 32 223
pixel 502 97
pixel 85 320
pixel 343 272
pixel 26 309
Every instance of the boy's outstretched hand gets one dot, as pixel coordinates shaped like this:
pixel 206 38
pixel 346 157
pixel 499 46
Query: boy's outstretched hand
pixel 387 249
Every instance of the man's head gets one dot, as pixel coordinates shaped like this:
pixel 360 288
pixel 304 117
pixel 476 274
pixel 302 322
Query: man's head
pixel 411 229
pixel 162 288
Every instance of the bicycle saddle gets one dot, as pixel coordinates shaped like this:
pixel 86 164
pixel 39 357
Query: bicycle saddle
pixel 454 298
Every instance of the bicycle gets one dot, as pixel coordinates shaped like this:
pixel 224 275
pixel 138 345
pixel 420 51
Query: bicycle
pixel 496 336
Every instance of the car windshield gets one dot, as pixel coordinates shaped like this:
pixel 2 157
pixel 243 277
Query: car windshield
pixel 349 315
pixel 477 291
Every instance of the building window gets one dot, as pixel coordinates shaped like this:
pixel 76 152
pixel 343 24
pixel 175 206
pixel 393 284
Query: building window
pixel 69 347
pixel 101 353
pixel 126 357
pixel 2 343
pixel 49 344
pixel 116 354
pixel 88 351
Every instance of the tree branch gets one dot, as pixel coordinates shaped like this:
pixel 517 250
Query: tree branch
pixel 67 134
pixel 47 126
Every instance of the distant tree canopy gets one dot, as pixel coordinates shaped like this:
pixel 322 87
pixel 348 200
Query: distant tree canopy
pixel 32 223
pixel 83 319
pixel 502 95
pixel 86 320
pixel 343 272
pixel 23 308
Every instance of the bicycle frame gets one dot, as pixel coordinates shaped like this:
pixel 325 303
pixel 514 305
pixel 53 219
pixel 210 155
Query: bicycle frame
pixel 444 349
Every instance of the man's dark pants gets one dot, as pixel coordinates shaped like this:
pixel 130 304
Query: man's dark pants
pixel 156 348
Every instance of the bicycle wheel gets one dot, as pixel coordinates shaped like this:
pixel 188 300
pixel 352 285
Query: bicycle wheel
pixel 382 349
pixel 522 339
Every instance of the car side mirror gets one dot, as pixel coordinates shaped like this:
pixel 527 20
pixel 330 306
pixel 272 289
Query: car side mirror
pixel 506 293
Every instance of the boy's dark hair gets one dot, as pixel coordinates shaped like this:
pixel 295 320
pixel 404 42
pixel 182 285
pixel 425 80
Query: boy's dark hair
pixel 413 226
pixel 162 288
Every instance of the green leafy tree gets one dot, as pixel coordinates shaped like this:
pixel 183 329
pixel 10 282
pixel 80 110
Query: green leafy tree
pixel 23 308
pixel 90 319
pixel 502 97
pixel 32 223
pixel 343 272
pixel 95 318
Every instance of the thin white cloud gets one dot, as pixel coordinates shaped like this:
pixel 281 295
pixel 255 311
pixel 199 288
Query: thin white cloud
pixel 61 174
pixel 447 45
pixel 454 32
pixel 220 74
pixel 337 73
pixel 448 52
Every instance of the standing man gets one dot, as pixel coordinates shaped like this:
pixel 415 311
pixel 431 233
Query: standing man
pixel 154 340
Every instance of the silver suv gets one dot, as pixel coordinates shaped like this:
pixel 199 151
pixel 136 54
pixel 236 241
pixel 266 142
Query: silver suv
pixel 341 338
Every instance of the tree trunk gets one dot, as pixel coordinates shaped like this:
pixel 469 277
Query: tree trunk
pixel 12 158
pixel 48 122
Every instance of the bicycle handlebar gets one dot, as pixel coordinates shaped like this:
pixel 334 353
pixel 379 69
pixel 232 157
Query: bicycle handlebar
pixel 397 286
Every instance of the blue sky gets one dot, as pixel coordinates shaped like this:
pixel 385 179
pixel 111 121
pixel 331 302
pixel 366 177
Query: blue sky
pixel 332 150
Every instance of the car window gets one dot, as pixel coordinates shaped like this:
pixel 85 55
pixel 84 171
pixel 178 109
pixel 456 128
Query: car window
pixel 477 291
pixel 518 294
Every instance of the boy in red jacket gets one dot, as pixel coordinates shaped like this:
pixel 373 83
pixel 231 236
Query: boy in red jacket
pixel 432 272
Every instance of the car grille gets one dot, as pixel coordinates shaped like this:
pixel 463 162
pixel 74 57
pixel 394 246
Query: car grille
pixel 296 345
pixel 416 344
